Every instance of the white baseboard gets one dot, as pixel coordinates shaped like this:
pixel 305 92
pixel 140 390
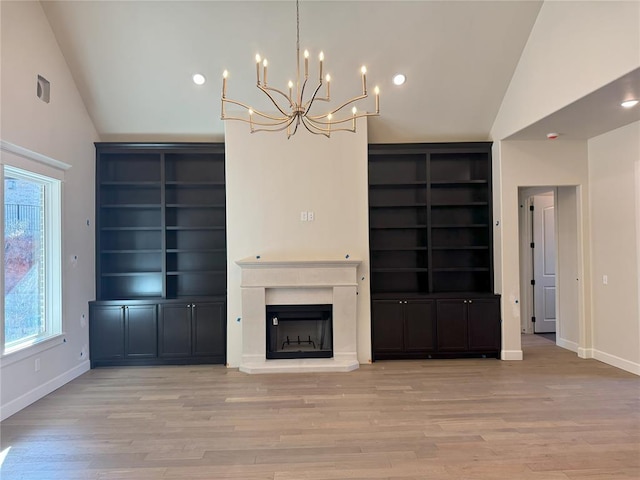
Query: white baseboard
pixel 511 355
pixel 568 344
pixel 23 401
pixel 585 352
pixel 618 362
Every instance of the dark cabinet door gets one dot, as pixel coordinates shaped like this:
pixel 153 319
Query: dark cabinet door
pixel 106 329
pixel 419 327
pixel 484 324
pixel 141 328
pixel 175 330
pixel 453 331
pixel 208 327
pixel 387 319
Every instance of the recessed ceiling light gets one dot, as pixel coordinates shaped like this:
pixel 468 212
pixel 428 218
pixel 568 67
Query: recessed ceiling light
pixel 399 79
pixel 629 103
pixel 199 79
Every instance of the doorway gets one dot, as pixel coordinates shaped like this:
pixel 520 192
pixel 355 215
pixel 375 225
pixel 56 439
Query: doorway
pixel 550 272
pixel 538 259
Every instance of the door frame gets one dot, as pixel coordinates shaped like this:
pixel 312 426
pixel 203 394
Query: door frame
pixel 525 195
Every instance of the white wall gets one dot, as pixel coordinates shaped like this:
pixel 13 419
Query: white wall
pixel 570 254
pixel 528 164
pixel 270 180
pixel 614 180
pixel 63 131
pixel 575 47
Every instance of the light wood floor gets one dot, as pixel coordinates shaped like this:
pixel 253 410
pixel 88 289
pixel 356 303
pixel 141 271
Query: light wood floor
pixel 552 416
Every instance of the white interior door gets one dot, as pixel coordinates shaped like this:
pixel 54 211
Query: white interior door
pixel 544 264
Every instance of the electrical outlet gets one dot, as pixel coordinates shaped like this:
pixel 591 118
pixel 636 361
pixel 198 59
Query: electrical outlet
pixel 83 320
pixel 605 279
pixel 37 366
pixel 303 216
pixel 310 216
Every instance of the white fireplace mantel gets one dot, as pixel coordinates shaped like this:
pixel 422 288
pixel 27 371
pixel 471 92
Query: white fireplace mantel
pixel 289 282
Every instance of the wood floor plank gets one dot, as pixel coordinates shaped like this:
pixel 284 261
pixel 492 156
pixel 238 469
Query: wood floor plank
pixel 550 417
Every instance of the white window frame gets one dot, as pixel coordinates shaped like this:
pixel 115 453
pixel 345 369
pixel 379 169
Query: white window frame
pixel 53 259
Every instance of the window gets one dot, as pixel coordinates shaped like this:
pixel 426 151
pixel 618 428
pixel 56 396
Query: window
pixel 32 263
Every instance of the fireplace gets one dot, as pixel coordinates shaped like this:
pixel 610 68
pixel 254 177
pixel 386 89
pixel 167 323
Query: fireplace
pixel 271 282
pixel 299 331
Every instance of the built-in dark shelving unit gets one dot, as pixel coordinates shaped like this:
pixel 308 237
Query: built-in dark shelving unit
pixel 430 238
pixel 160 239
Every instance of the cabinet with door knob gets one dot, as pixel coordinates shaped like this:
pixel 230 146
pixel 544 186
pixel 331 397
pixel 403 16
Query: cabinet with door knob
pixel 403 328
pixel 468 325
pixel 192 330
pixel 163 332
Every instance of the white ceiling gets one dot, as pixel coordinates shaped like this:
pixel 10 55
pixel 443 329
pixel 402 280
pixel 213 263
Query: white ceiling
pixel 133 61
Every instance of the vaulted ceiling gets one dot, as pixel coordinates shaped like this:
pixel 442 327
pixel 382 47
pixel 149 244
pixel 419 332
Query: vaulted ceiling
pixel 133 61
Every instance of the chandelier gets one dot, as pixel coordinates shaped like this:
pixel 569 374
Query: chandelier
pixel 293 107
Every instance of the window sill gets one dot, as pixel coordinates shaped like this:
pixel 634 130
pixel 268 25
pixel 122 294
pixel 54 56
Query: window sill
pixel 20 353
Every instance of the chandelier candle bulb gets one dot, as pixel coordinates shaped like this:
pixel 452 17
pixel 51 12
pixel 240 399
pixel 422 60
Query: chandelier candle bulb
pixel 377 91
pixel 258 60
pixel 321 57
pixel 328 78
pixel 264 64
pixel 364 79
pixel 290 91
pixel 225 74
pixel 306 63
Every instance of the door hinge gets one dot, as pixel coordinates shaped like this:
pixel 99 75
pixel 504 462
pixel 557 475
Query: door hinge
pixel 532 245
pixel 531 207
pixel 533 282
pixel 533 319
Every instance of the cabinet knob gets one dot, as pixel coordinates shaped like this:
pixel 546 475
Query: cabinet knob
pixel 470 301
pixel 465 301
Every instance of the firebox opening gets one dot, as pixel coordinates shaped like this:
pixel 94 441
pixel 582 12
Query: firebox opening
pixel 299 331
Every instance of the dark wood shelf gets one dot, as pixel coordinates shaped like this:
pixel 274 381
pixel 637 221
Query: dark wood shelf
pixel 405 205
pixel 430 236
pixel 178 228
pixel 153 184
pixel 131 251
pixel 132 274
pixel 131 229
pixel 188 205
pixel 460 204
pixel 157 305
pixel 461 225
pixel 132 205
pixel 399 227
pixel 194 184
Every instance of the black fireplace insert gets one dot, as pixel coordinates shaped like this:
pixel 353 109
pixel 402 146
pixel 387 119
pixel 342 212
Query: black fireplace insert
pixel 299 331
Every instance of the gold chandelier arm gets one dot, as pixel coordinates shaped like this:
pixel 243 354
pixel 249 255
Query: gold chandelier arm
pixel 279 129
pixel 307 106
pixel 256 112
pixel 261 124
pixel 287 97
pixel 348 102
pixel 315 129
pixel 273 100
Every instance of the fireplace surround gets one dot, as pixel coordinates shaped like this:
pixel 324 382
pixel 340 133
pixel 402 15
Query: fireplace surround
pixel 269 281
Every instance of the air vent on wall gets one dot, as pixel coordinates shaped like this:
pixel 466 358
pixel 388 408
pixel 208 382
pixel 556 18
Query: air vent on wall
pixel 43 89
